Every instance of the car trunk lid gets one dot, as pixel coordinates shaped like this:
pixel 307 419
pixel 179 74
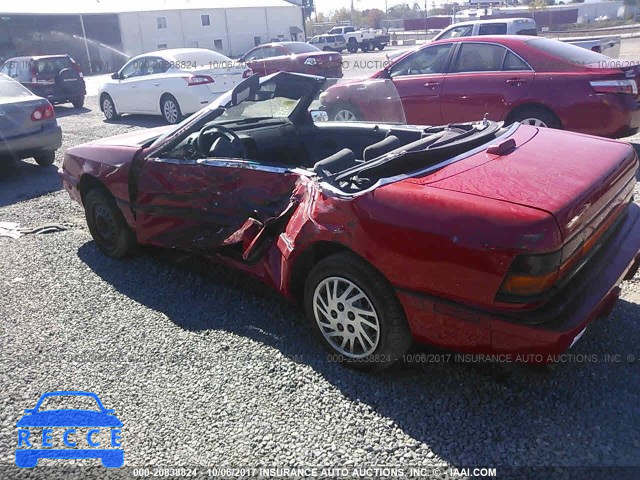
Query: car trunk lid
pixel 225 77
pixel 15 116
pixel 577 179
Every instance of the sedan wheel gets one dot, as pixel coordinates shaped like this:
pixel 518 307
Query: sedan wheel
pixel 171 110
pixel 108 108
pixel 346 317
pixel 107 225
pixel 537 117
pixel 355 313
pixel 344 115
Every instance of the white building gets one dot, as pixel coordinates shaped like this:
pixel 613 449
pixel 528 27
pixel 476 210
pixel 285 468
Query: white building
pixel 137 26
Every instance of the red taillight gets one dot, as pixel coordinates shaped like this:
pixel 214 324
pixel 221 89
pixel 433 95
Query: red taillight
pixel 78 68
pixel 199 80
pixel 43 112
pixel 247 73
pixel 615 86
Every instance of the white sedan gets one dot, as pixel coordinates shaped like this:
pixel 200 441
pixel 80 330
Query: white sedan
pixel 172 83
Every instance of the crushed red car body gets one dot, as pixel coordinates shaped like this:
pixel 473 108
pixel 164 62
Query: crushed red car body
pixel 475 237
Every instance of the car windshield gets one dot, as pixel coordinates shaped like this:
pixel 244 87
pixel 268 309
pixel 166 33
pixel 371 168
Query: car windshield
pixel 66 402
pixel 566 51
pixel 282 95
pixel 52 65
pixel 198 58
pixel 11 89
pixel 302 48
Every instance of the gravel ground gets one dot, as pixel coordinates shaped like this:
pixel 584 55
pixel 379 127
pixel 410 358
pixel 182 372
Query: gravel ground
pixel 207 368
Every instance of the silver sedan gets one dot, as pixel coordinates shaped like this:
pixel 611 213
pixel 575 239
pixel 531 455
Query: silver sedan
pixel 28 126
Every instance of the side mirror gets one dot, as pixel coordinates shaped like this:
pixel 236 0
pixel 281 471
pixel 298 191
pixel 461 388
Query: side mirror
pixel 115 76
pixel 319 116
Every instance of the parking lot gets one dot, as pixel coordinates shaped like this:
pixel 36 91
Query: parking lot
pixel 205 367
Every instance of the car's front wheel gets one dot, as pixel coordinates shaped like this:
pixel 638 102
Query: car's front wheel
pixel 45 158
pixel 108 108
pixel 170 109
pixel 355 313
pixel 107 225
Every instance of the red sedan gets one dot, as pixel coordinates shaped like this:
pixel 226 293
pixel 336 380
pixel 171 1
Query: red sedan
pixel 532 80
pixel 476 237
pixel 296 57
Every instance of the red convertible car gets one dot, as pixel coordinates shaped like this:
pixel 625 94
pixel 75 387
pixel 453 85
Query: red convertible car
pixel 475 237
pixel 532 80
pixel 298 57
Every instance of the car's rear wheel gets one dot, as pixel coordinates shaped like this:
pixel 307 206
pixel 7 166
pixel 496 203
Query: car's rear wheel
pixel 365 47
pixel 45 158
pixel 170 109
pixel 355 313
pixel 380 47
pixel 352 46
pixel 107 225
pixel 78 102
pixel 108 107
pixel 537 117
pixel 344 112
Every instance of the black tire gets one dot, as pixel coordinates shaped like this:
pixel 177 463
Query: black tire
pixel 45 158
pixel 78 102
pixel 365 47
pixel 536 113
pixel 108 107
pixel 337 112
pixel 394 337
pixel 107 225
pixel 381 47
pixel 170 109
pixel 352 47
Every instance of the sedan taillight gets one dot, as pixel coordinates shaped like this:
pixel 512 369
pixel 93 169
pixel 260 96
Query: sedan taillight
pixel 43 112
pixel 311 61
pixel 198 80
pixel 615 86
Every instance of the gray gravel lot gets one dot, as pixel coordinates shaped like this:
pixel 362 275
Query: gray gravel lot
pixel 207 368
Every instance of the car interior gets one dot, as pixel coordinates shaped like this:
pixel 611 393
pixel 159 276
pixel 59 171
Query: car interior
pixel 350 156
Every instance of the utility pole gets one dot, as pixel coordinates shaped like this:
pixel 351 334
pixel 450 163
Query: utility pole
pixel 86 45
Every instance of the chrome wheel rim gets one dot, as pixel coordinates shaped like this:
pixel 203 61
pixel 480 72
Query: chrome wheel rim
pixel 170 111
pixel 107 108
pixel 346 317
pixel 536 122
pixel 344 115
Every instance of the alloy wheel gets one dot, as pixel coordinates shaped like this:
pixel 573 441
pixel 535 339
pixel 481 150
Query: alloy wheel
pixel 170 111
pixel 536 122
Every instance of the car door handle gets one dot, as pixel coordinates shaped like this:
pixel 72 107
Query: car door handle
pixel 516 82
pixel 432 85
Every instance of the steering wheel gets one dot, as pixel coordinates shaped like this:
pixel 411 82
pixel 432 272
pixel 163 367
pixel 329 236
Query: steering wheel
pixel 219 131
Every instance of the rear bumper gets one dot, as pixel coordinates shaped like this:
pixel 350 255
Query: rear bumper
pixel 49 138
pixel 54 95
pixel 461 328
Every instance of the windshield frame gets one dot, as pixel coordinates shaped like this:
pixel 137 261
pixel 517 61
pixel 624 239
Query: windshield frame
pixel 217 108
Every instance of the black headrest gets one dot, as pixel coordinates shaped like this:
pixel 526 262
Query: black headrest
pixel 335 163
pixel 380 148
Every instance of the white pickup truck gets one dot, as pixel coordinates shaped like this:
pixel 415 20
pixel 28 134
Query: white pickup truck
pixel 365 40
pixel 609 45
